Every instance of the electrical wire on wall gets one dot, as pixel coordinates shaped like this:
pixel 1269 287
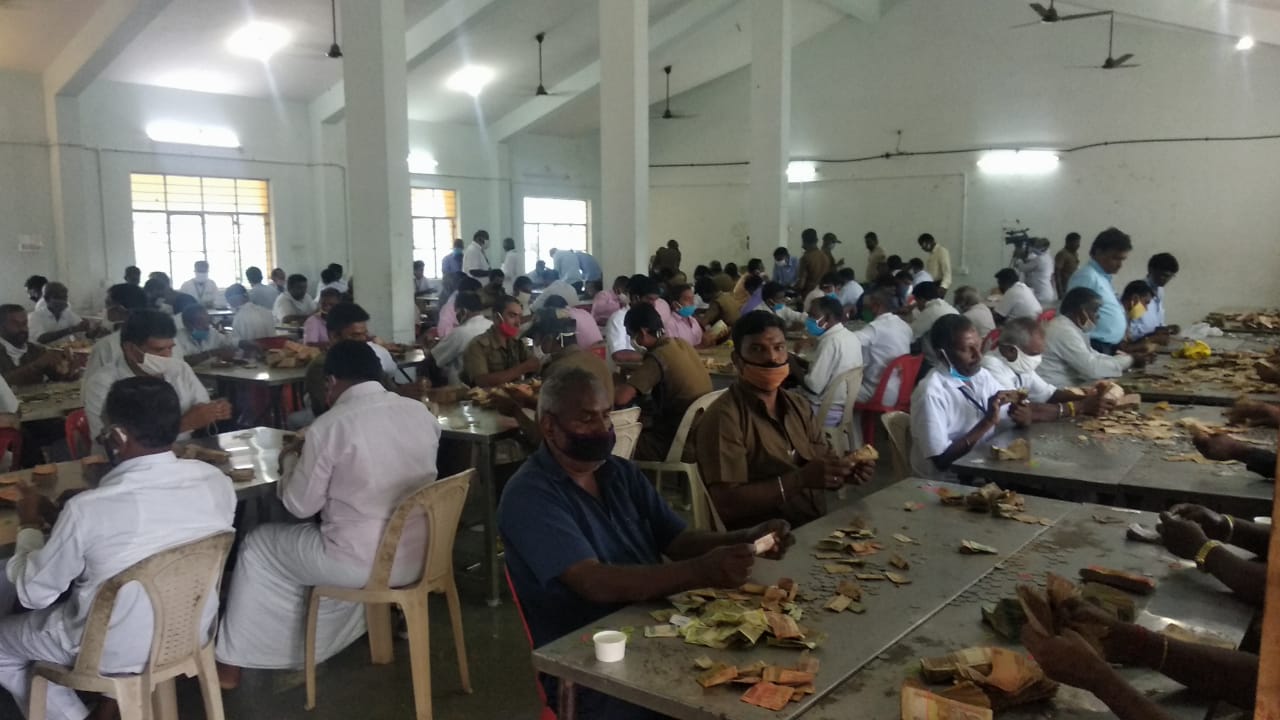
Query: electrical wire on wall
pixel 899 153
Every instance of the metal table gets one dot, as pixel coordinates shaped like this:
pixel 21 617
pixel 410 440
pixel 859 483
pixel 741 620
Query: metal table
pixel 258 448
pixel 659 673
pixel 1236 327
pixel 481 428
pixel 48 401
pixel 1160 382
pixel 1135 471
pixel 1229 342
pixel 260 375
pixel 1184 595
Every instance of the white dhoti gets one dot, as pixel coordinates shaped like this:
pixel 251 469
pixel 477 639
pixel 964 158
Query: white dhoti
pixel 266 612
pixel 26 639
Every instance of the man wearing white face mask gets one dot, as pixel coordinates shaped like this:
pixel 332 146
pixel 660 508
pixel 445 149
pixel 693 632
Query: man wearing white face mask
pixel 200 287
pixel 1069 360
pixel 146 349
pixel 1013 364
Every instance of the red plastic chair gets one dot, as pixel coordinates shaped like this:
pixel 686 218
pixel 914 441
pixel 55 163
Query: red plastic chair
pixel 990 341
pixel 76 428
pixel 546 713
pixel 1048 315
pixel 11 442
pixel 908 368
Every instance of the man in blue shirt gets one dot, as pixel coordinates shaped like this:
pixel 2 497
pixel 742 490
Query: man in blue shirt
pixel 585 532
pixel 1161 268
pixel 591 271
pixel 452 263
pixel 1106 257
pixel 784 267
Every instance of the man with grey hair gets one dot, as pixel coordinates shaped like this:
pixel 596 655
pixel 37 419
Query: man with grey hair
pixel 585 532
pixel 1069 359
pixel 1013 364
pixel 969 303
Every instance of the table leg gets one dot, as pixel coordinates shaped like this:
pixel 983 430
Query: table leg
pixel 566 710
pixel 484 466
pixel 164 701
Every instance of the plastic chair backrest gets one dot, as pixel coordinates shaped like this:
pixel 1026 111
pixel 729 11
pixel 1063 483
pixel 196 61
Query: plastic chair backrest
pixel 990 341
pixel 899 426
pixel 76 429
pixel 11 442
pixel 908 368
pixel 625 416
pixel 547 714
pixel 441 505
pixel 628 436
pixel 1048 315
pixel 177 581
pixel 851 380
pixel 676 452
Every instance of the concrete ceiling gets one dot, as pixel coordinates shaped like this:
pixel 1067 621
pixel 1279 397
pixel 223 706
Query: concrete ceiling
pixel 32 32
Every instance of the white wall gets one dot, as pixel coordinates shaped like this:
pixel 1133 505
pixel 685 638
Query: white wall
pixel 25 206
pixel 953 75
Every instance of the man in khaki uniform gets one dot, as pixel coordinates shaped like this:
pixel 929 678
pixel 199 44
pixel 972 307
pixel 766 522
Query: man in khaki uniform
pixel 671 374
pixel 760 451
pixel 1065 263
pixel 720 305
pixel 499 356
pixel 876 260
pixel 813 263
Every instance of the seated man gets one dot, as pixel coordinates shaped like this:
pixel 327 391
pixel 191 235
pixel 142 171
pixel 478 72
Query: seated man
pixel 1069 360
pixel 1135 299
pixel 555 336
pixel 345 321
pixel 929 307
pixel 755 268
pixel 251 321
pixel 35 290
pixel 495 288
pixel 827 286
pixel 447 320
pixel 886 338
pixel 760 451
pixel 721 307
pixel 671 376
pixel 56 320
pixel 1013 362
pixel 264 296
pixel 1016 299
pixel 314 332
pixel 969 303
pixel 421 285
pixel 149 501
pixel 556 287
pixel 146 350
pixel 642 290
pixel 472 323
pixel 915 266
pixel 607 302
pixel 1161 269
pixel 199 340
pixel 585 533
pixel 498 356
pixel 122 298
pixel 587 331
pixel 838 352
pixel 296 305
pixel 850 292
pixel 775 301
pixel 681 323
pixel 163 297
pixel 755 295
pixel 523 288
pixel 958 404
pixel 359 459
pixel 22 363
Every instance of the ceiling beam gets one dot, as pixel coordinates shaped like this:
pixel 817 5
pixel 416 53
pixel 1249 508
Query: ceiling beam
pixel 680 22
pixel 867 11
pixel 114 25
pixel 427 37
pixel 1228 19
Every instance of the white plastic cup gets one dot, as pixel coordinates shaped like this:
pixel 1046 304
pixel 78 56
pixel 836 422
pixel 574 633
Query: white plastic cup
pixel 611 645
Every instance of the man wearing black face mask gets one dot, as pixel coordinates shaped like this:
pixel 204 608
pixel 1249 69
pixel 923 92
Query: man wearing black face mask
pixel 761 452
pixel 585 532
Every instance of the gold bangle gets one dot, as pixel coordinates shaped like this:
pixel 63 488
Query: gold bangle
pixel 1231 528
pixel 1203 556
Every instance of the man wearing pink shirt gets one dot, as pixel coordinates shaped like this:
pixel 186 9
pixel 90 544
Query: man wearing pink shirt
pixel 607 302
pixel 314 332
pixel 588 332
pixel 679 321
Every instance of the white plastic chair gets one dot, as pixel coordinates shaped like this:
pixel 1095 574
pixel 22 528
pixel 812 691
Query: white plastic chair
pixel 625 416
pixel 844 436
pixel 898 424
pixel 628 436
pixel 178 582
pixel 703 510
pixel 441 503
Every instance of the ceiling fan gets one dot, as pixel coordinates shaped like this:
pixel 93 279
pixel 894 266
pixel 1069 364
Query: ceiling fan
pixel 1112 62
pixel 541 91
pixel 1050 15
pixel 334 52
pixel 666 111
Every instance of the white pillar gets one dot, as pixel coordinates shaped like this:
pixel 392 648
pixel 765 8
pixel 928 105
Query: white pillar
pixel 377 119
pixel 770 124
pixel 624 136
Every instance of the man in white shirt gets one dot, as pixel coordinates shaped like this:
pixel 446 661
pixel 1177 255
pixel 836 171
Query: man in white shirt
pixel 827 287
pixel 512 265
pixel 199 340
pixel 294 306
pixel 915 266
pixel 251 321
pixel 929 307
pixel 838 352
pixel 360 458
pixel 331 278
pixel 640 289
pixel 122 299
pixel 886 338
pixel 200 287
pixel 55 320
pixel 1013 363
pixel 850 291
pixel 958 404
pixel 1016 299
pixel 262 295
pixel 1069 360
pixel 566 265
pixel 475 263
pixel 150 501
pixel 775 301
pixel 970 304
pixel 558 286
pixel 938 263
pixel 447 354
pixel 146 350
pixel 1036 268
pixel 421 285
